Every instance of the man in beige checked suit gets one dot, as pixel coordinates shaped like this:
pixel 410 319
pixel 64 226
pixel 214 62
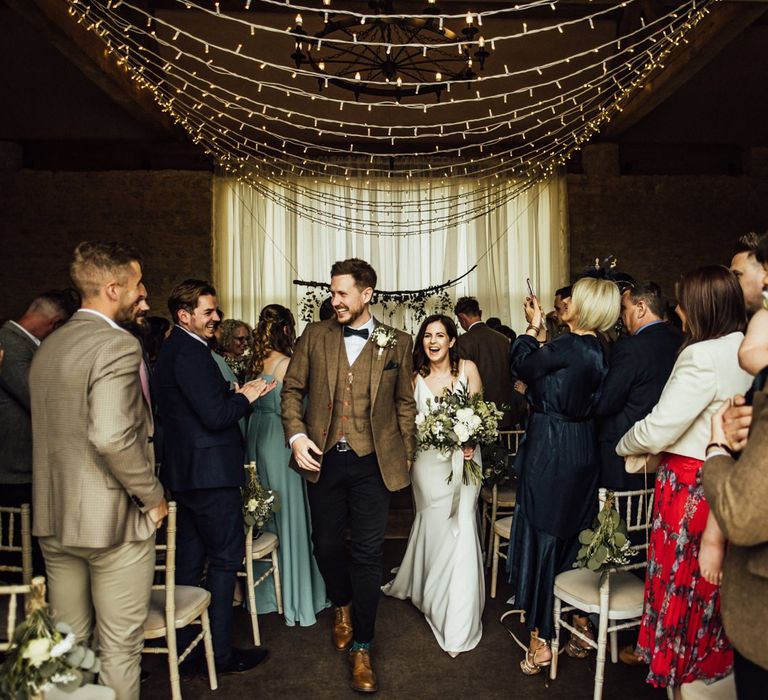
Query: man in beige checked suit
pixel 96 499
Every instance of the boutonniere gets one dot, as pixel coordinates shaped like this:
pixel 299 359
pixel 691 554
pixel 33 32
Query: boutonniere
pixel 383 338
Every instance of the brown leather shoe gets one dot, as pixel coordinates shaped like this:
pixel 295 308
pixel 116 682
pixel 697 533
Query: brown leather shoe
pixel 342 627
pixel 627 656
pixel 363 677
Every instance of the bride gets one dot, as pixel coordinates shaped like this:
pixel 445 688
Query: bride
pixel 442 571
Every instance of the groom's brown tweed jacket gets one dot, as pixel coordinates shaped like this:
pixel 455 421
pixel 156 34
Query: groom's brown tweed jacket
pixel 313 373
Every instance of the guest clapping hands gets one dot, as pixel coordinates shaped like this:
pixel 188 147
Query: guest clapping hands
pixel 557 464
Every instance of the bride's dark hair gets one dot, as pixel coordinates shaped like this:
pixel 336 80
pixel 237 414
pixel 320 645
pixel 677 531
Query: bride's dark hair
pixel 420 359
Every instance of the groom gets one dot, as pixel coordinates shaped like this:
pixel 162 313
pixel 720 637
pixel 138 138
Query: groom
pixel 354 443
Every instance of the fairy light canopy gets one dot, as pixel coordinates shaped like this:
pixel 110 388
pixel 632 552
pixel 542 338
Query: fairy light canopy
pixel 264 88
pixel 382 52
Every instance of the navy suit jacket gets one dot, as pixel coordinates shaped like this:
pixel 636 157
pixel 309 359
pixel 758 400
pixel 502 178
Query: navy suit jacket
pixel 639 368
pixel 202 443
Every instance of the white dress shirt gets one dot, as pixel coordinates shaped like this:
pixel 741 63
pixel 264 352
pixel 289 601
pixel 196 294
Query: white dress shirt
pixel 193 335
pixel 106 318
pixel 36 341
pixel 354 344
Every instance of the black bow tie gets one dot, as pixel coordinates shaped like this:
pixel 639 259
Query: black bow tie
pixel 349 332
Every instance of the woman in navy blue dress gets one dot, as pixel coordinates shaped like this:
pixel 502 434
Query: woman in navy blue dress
pixel 558 463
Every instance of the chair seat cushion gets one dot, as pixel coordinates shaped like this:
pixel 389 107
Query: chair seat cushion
pixel 190 603
pixel 85 692
pixel 503 526
pixel 264 544
pixel 506 496
pixel 581 588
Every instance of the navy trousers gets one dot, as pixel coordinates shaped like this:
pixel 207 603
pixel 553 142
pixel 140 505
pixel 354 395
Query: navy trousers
pixel 210 528
pixel 350 489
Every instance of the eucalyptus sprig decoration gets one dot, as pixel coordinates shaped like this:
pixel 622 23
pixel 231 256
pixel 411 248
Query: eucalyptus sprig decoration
pixel 259 504
pixel 606 545
pixel 44 654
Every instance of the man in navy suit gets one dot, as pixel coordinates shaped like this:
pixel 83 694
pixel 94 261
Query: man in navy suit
pixel 202 461
pixel 639 368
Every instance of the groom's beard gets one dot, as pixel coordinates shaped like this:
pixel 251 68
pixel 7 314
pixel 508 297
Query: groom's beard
pixel 352 317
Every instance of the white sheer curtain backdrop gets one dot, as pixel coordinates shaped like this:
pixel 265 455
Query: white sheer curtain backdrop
pixel 260 246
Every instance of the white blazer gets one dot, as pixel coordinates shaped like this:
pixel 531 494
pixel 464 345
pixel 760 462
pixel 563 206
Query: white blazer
pixel 705 374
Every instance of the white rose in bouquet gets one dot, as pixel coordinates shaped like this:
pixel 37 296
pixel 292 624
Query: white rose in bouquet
pixel 462 432
pixel 475 422
pixel 37 651
pixel 420 418
pixel 464 414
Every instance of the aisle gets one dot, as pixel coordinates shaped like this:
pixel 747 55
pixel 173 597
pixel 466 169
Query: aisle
pixel 408 661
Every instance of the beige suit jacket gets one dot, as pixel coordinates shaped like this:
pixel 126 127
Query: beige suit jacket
pixel 312 373
pixel 737 493
pixel 93 475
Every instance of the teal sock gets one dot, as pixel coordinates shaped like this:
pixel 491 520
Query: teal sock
pixel 357 646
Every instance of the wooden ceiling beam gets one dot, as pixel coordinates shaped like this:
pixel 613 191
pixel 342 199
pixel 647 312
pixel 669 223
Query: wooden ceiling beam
pixel 87 52
pixel 725 21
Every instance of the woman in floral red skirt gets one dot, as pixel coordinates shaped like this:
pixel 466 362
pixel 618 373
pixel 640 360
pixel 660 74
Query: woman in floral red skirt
pixel 681 635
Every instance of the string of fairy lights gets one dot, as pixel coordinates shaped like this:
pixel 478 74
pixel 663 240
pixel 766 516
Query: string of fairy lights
pixel 226 76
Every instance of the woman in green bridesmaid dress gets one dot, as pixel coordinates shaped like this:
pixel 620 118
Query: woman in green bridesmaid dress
pixel 303 586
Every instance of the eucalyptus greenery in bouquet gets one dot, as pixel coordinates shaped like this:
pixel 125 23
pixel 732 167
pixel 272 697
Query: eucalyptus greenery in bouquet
pixel 258 503
pixel 44 654
pixel 606 545
pixel 458 419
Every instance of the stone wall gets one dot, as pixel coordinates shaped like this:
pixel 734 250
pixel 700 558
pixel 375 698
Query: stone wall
pixel 43 215
pixel 661 225
pixel 656 225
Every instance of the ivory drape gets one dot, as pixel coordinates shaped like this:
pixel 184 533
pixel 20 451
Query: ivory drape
pixel 261 246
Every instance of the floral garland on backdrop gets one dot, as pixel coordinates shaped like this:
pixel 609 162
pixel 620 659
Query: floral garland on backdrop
pixel 414 304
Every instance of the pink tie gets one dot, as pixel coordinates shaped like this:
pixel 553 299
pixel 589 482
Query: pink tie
pixel 144 376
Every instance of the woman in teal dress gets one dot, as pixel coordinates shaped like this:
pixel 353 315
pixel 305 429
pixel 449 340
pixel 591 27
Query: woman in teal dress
pixel 303 586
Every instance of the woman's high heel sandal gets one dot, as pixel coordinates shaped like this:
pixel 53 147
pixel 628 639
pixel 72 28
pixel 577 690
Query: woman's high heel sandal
pixel 534 659
pixel 577 648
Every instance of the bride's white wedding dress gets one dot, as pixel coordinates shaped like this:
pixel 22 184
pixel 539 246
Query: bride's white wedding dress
pixel 442 570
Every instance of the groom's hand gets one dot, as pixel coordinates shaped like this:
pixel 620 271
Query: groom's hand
pixel 303 448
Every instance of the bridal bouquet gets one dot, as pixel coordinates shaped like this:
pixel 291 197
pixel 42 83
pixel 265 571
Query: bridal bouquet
pixel 258 503
pixel 43 654
pixel 458 419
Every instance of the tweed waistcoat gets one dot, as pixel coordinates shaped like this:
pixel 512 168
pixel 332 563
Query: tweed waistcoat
pixel 352 403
